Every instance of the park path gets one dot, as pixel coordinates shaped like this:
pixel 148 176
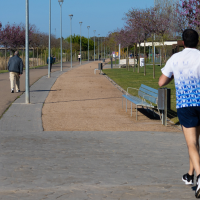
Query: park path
pixel 83 101
pixel 91 165
pixel 7 97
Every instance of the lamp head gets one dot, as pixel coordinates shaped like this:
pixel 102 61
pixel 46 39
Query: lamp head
pixel 60 2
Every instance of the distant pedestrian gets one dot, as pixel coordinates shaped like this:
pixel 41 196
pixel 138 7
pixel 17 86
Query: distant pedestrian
pixel 79 57
pixel 51 62
pixel 184 68
pixel 15 68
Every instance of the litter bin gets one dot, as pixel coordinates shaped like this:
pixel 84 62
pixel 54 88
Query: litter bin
pixel 100 66
pixel 164 103
pixel 161 98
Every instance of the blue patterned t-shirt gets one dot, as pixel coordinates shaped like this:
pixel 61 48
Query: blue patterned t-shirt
pixel 185 66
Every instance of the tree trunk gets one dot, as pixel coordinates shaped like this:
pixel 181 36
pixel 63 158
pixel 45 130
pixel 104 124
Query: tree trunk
pixel 115 56
pixel 160 56
pixel 139 60
pixel 134 59
pixel 23 56
pixel 45 56
pixel 5 58
pixel 33 58
pixel 127 59
pixel 37 56
pixel 163 50
pixel 153 57
pixel 144 61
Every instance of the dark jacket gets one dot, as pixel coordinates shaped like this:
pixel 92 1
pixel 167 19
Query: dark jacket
pixel 15 64
pixel 51 60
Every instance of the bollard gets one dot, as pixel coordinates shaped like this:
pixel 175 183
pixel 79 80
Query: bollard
pixel 100 67
pixel 111 62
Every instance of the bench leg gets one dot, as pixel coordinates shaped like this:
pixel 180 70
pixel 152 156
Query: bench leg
pixel 126 105
pixel 136 112
pixel 131 109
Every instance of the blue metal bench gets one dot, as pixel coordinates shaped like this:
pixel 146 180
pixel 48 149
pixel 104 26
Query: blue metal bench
pixel 147 96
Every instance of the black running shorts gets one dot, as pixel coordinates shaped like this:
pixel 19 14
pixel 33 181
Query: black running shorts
pixel 189 116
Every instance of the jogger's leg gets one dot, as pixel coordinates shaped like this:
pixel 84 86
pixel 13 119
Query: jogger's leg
pixel 191 170
pixel 192 143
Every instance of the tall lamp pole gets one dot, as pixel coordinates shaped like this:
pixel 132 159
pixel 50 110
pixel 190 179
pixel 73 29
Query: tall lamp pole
pixel 27 94
pixel 94 44
pixel 61 2
pixel 80 42
pixel 49 56
pixel 98 46
pixel 101 47
pixel 104 49
pixel 88 42
pixel 71 36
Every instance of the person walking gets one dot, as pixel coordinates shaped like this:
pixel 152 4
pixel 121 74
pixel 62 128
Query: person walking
pixel 51 62
pixel 184 68
pixel 79 57
pixel 15 68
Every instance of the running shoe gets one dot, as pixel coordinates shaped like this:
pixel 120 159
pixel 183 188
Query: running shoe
pixel 188 179
pixel 197 193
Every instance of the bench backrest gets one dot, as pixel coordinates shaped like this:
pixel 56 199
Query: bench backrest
pixel 148 93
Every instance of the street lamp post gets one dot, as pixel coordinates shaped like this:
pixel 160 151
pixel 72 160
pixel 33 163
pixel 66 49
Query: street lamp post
pixel 61 2
pixel 94 44
pixel 98 46
pixel 49 57
pixel 104 49
pixel 101 47
pixel 88 42
pixel 71 36
pixel 27 93
pixel 80 42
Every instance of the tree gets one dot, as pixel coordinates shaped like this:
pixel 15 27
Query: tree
pixel 188 15
pixel 13 37
pixel 84 42
pixel 164 24
pixel 133 26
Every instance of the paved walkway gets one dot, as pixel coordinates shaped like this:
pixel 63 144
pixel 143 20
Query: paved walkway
pixel 78 165
pixel 7 98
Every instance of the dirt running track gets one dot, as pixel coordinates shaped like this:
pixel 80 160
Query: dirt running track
pixel 82 101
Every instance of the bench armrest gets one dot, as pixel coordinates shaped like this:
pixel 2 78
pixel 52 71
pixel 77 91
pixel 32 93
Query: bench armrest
pixel 131 88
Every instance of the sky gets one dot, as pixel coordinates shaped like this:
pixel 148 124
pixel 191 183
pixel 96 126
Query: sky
pixel 104 16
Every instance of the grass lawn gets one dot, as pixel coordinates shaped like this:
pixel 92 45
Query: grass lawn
pixel 34 67
pixel 3 71
pixel 126 79
pixel 117 61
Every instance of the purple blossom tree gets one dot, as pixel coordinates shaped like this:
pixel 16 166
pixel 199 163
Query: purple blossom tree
pixel 191 10
pixel 13 37
pixel 133 25
pixel 126 38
